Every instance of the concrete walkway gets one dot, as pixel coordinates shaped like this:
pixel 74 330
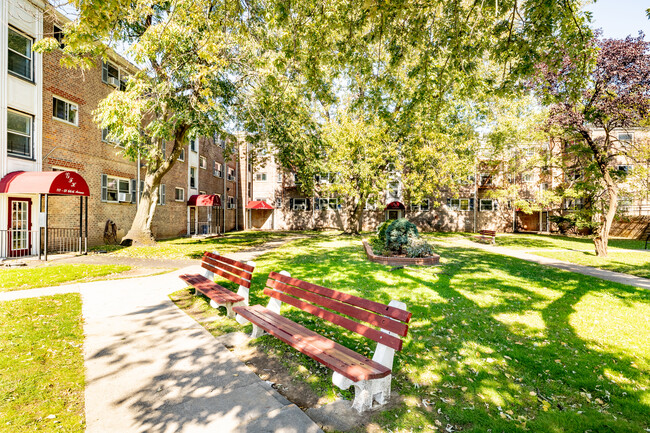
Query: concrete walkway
pixel 151 368
pixel 616 277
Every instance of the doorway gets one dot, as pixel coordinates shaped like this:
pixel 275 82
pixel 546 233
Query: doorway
pixel 393 214
pixel 20 224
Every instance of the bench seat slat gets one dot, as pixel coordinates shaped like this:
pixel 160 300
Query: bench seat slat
pixel 375 307
pixel 235 270
pixel 230 261
pixel 212 290
pixel 374 319
pixel 351 325
pixel 327 352
pixel 235 279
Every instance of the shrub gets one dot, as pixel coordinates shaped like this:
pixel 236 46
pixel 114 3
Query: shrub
pixel 419 248
pixel 398 234
pixel 381 230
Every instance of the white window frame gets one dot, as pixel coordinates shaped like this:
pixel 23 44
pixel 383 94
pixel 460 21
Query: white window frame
pixel 483 205
pixel 527 178
pixel 193 145
pixel 488 179
pixel 203 162
pixel 460 204
pixel 278 202
pixel 193 178
pixel 393 189
pixel 182 194
pixel 301 206
pixel 30 59
pixel 621 137
pixel 219 172
pixel 279 178
pixel 418 207
pixel 260 177
pixel 327 203
pixel 121 181
pixel 57 33
pixel 22 134
pixel 181 157
pixel 105 65
pixel 231 174
pixel 67 108
pixel 232 204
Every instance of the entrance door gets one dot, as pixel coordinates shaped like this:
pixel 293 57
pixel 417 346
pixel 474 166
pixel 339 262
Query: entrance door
pixel 394 214
pixel 544 224
pixel 20 222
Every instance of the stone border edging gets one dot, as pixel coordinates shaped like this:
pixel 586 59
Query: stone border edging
pixel 400 261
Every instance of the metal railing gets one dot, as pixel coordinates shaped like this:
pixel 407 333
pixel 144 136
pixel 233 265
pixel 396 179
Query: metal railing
pixel 16 243
pixel 204 228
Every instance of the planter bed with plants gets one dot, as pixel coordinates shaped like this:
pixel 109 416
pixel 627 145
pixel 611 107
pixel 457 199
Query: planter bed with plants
pixel 398 243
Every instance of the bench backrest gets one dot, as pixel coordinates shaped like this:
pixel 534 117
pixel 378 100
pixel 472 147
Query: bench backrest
pixel 237 272
pixel 311 297
pixel 488 232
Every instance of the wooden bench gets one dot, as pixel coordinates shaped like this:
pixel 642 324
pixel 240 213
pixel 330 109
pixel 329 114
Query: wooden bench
pixel 486 235
pixel 237 272
pixel 371 378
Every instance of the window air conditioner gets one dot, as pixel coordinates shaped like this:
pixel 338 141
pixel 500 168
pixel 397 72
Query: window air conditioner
pixel 124 197
pixel 114 82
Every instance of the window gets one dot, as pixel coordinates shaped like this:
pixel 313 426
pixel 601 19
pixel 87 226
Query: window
pixel 20 54
pixel 624 168
pixel 278 202
pixel 106 137
pixel 486 179
pixel 65 111
pixel 250 167
pixel 217 170
pixel 231 174
pixel 296 179
pixel 279 178
pixel 527 177
pixel 573 203
pixel 231 202
pixel 488 205
pixel 369 205
pixel 325 178
pixel 162 189
pixel 124 78
pixel 181 157
pixel 115 189
pixel 299 204
pixel 328 203
pixel 625 138
pixel 193 144
pixel 393 189
pixel 460 204
pixel 193 177
pixel 58 35
pixel 220 142
pixel 543 186
pixel 19 134
pixel 110 74
pixel 179 194
pixel 422 207
pixel 203 163
pixel 260 177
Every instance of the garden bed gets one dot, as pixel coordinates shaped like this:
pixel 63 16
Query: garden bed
pixel 400 261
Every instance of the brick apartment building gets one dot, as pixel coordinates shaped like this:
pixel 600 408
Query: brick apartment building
pixel 48 128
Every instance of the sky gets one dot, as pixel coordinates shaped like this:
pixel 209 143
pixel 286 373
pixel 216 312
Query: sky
pixel 620 18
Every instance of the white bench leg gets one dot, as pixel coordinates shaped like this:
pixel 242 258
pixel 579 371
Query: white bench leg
pixel 257 332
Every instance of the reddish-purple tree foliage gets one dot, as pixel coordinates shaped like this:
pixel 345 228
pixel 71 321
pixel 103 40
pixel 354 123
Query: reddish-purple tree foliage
pixel 585 111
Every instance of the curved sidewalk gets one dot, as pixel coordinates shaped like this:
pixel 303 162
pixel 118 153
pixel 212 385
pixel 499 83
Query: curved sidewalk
pixel 616 277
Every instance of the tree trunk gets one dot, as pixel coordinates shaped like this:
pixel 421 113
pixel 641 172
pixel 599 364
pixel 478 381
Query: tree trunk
pixel 602 239
pixel 140 232
pixel 354 211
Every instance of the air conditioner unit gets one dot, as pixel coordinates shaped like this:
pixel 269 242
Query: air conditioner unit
pixel 124 197
pixel 114 82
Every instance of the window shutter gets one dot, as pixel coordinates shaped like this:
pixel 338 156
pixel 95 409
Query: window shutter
pixel 308 203
pixel 141 187
pixel 291 203
pixel 104 187
pixel 133 190
pixel 495 204
pixel 471 204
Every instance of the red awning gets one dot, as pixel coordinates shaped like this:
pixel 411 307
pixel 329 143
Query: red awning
pixel 395 205
pixel 258 205
pixel 204 200
pixel 44 182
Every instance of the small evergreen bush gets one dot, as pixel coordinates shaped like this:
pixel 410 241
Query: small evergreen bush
pixel 381 230
pixel 419 248
pixel 398 234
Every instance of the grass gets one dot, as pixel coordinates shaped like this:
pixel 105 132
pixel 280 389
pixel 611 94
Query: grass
pixel 41 365
pixel 193 248
pixel 43 276
pixel 496 343
pixel 580 250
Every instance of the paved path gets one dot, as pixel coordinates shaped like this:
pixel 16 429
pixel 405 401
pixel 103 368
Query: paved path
pixel 151 368
pixel 617 277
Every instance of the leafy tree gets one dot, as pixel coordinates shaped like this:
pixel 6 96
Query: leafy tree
pixel 586 116
pixel 193 55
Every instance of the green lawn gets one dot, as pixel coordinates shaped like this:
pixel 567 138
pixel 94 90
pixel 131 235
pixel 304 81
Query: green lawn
pixel 495 343
pixel 534 242
pixel 188 248
pixel 41 365
pixel 42 276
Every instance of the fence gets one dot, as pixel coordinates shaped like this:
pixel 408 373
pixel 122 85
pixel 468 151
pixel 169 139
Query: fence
pixel 15 243
pixel 204 228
